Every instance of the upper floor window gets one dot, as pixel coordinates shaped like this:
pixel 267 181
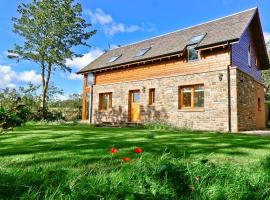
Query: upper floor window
pixel 105 101
pixel 249 56
pixel 193 54
pixel 151 96
pixel 191 97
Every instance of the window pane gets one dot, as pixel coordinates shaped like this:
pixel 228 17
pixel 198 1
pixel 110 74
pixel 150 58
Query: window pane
pixel 143 51
pixel 136 97
pixel 198 96
pixel 151 96
pixel 192 53
pixel 105 101
pixel 196 39
pixel 114 58
pixel 186 97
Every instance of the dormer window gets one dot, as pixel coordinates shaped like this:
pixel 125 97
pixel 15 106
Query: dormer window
pixel 142 51
pixel 193 54
pixel 114 58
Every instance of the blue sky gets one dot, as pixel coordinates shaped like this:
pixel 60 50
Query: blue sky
pixel 118 22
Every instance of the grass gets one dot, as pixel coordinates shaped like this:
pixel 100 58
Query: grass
pixel 73 162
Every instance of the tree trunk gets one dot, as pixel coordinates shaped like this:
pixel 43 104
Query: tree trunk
pixel 45 83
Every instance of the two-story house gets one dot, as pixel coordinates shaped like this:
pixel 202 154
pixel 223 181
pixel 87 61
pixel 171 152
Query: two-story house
pixel 205 77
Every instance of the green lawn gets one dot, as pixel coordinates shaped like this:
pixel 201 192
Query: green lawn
pixel 73 162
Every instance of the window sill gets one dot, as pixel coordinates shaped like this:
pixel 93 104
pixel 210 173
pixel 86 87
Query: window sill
pixel 192 110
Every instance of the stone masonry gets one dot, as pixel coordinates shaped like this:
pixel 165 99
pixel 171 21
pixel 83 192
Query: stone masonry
pixel 213 117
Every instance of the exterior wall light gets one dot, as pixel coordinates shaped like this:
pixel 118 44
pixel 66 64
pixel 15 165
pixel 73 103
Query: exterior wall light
pixel 220 77
pixel 143 89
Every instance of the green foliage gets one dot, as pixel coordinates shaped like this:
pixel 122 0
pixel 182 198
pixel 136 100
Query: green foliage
pixel 266 76
pixel 50 30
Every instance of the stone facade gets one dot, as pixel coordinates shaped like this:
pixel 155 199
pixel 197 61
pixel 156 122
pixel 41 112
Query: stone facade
pixel 250 94
pixel 214 116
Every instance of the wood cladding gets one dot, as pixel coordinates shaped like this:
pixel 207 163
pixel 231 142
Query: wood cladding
pixel 210 61
pixel 240 55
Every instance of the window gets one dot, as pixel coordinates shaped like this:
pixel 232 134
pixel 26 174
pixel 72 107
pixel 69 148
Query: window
pixel 151 96
pixel 142 52
pixel 249 56
pixel 114 58
pixel 259 104
pixel 105 101
pixel 191 97
pixel 136 97
pixel 196 39
pixel 192 53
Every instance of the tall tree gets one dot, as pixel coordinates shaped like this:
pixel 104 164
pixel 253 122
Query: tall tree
pixel 266 75
pixel 50 29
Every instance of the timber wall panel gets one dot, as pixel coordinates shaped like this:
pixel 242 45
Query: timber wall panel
pixel 212 61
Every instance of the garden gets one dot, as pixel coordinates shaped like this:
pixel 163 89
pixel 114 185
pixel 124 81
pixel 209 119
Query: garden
pixel 60 161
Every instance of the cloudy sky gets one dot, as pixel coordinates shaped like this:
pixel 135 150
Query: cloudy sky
pixel 118 22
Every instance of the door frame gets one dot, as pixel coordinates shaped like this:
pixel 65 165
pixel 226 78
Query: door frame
pixel 130 93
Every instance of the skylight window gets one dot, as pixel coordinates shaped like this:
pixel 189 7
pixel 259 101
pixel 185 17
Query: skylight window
pixel 142 52
pixel 114 58
pixel 196 39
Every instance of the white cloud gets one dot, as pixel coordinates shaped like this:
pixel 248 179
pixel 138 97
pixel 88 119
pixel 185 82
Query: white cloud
pixel 73 76
pixel 61 97
pixel 81 62
pixel 9 77
pixel 29 76
pixel 100 17
pixel 120 28
pixel 109 26
pixel 266 36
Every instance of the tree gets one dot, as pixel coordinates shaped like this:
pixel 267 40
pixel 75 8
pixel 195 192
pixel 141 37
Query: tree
pixel 50 29
pixel 266 75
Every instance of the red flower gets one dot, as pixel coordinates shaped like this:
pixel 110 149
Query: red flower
pixel 113 151
pixel 126 159
pixel 138 150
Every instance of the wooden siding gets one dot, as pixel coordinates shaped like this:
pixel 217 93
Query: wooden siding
pixel 210 61
pixel 240 56
pixel 86 90
pixel 260 113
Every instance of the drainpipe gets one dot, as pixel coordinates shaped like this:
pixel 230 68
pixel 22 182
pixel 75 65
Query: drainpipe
pixel 229 90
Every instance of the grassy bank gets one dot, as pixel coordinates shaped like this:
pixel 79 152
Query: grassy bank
pixel 73 162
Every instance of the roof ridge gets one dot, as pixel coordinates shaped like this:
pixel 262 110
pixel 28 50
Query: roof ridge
pixel 217 19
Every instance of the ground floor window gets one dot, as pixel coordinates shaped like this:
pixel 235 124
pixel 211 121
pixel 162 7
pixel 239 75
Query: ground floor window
pixel 151 96
pixel 105 101
pixel 191 96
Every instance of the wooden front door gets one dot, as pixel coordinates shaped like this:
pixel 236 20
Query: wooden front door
pixel 134 106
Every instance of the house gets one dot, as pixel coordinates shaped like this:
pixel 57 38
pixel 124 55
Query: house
pixel 205 77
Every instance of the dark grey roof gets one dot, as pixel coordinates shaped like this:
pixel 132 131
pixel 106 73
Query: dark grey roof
pixel 222 30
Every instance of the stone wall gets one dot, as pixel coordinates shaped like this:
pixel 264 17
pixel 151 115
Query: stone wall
pixel 213 117
pixel 250 117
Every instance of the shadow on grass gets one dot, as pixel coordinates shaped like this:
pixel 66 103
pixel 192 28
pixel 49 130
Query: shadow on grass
pixel 46 144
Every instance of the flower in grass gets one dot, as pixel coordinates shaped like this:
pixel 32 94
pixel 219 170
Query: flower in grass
pixel 126 159
pixel 113 151
pixel 138 150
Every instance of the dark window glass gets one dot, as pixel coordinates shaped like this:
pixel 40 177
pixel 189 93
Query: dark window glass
pixel 192 53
